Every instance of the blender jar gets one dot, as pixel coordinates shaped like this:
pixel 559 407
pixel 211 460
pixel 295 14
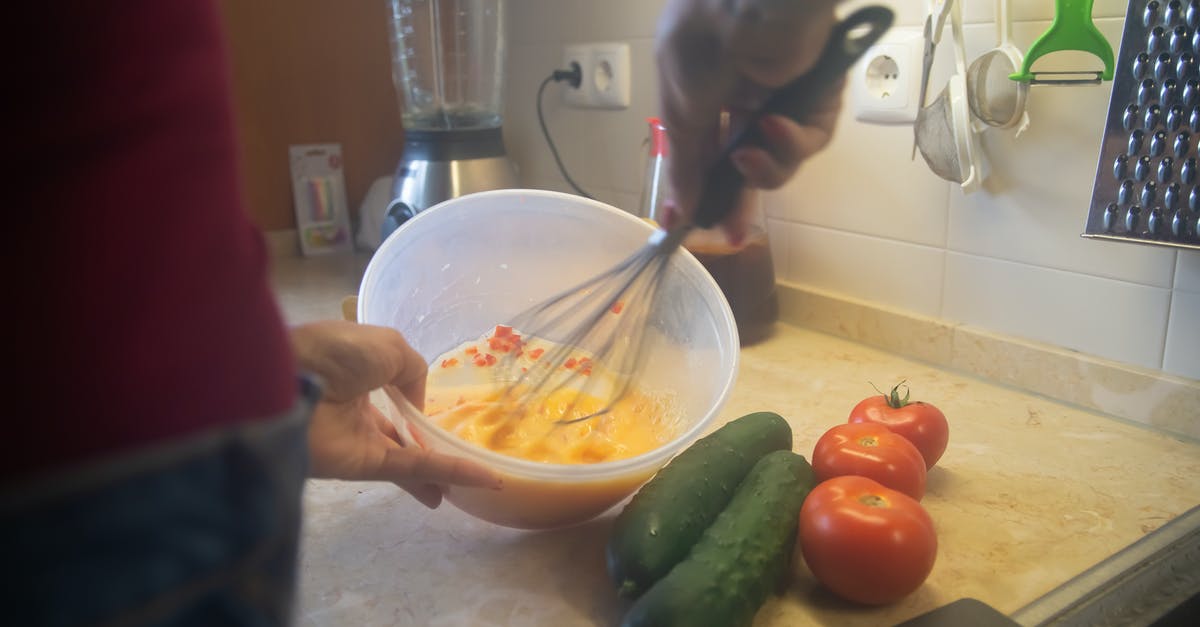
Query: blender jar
pixel 448 70
pixel 448 62
pixel 744 272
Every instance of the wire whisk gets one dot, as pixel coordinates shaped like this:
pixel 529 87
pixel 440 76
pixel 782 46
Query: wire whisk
pixel 581 317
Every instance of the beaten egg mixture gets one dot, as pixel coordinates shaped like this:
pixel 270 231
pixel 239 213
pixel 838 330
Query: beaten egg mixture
pixel 462 397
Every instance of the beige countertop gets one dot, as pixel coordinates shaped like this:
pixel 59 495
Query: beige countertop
pixel 1029 493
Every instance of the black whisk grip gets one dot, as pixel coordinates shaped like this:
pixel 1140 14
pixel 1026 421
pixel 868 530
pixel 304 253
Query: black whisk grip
pixel 848 41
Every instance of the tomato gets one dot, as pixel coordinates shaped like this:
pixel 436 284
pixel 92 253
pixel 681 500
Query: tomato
pixel 870 450
pixel 921 423
pixel 864 542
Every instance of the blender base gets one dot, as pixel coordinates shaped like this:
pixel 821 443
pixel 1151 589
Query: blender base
pixel 440 165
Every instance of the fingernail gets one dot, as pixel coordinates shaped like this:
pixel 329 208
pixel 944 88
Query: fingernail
pixel 669 213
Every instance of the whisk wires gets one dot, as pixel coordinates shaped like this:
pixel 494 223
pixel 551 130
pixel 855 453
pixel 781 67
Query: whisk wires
pixel 606 316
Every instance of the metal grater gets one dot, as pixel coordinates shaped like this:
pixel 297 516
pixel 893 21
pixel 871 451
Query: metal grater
pixel 1148 177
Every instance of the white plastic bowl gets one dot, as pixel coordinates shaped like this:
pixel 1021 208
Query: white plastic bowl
pixel 459 268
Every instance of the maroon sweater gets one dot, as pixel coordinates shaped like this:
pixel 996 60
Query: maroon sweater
pixel 143 311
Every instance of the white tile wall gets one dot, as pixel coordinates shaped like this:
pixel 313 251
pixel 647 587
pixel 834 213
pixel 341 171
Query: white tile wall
pixel 1026 10
pixel 1113 319
pixel 1040 225
pixel 1187 271
pixel 907 13
pixel 543 21
pixel 901 274
pixel 864 220
pixel 618 19
pixel 780 240
pixel 864 182
pixel 912 12
pixel 1182 354
pixel 522 136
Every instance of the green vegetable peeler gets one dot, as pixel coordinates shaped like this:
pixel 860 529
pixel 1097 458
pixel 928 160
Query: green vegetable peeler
pixel 1072 29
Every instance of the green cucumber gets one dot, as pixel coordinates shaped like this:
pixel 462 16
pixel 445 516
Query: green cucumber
pixel 667 516
pixel 739 560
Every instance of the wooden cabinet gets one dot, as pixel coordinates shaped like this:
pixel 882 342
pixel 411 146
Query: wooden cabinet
pixel 310 71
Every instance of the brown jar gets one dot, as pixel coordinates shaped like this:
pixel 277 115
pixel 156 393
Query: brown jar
pixel 745 272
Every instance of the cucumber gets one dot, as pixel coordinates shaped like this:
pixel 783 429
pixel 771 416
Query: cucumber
pixel 667 516
pixel 738 561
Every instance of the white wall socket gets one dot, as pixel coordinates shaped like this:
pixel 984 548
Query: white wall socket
pixel 605 83
pixel 886 83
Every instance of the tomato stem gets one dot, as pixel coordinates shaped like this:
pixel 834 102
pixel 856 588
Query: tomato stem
pixel 893 398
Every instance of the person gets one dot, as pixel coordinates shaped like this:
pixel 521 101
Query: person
pixel 717 55
pixel 162 418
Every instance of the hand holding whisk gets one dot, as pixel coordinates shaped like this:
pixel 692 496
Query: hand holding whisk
pixel 581 317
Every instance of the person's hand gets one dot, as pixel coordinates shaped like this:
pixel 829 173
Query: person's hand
pixel 348 437
pixel 716 55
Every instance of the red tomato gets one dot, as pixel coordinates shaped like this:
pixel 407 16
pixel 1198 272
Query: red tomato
pixel 921 423
pixel 870 450
pixel 865 542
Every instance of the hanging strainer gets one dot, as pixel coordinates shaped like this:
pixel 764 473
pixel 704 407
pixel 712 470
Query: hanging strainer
pixel 944 132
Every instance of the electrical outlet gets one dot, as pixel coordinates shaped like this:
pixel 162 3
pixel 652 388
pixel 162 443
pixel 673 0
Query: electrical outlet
pixel 886 82
pixel 605 81
pixel 610 75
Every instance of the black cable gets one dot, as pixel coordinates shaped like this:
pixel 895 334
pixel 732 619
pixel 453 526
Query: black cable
pixel 573 76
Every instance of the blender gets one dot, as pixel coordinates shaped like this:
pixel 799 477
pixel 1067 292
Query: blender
pixel 448 70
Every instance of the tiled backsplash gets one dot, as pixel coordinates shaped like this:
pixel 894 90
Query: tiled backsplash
pixel 865 221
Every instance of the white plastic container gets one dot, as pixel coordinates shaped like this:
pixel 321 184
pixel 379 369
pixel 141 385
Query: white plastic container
pixel 459 268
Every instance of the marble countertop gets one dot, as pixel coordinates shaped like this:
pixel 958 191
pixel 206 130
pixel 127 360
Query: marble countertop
pixel 1029 493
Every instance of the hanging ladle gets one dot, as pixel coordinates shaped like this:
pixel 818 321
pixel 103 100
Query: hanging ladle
pixel 996 100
